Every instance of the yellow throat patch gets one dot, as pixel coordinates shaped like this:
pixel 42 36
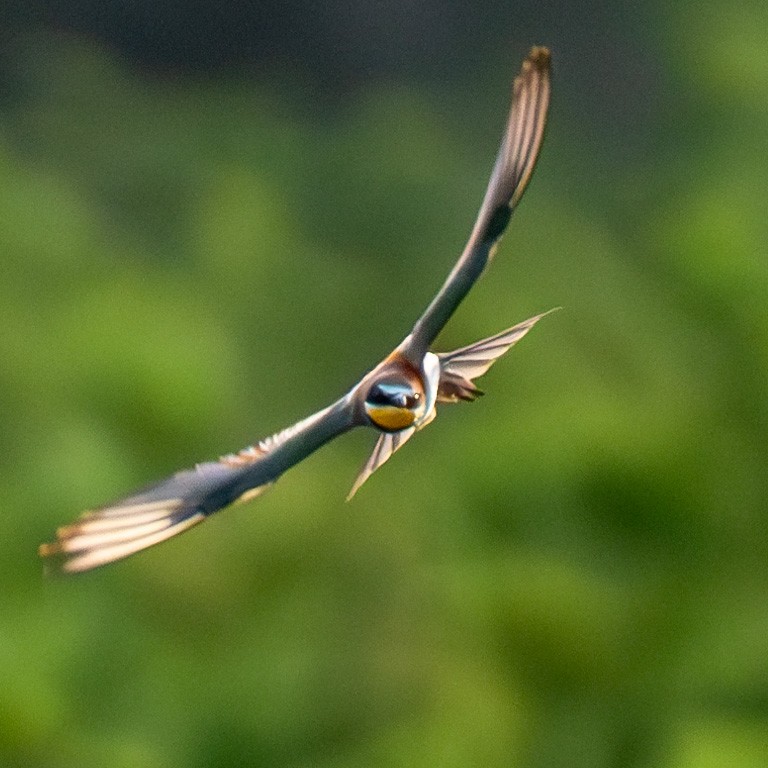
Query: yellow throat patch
pixel 389 418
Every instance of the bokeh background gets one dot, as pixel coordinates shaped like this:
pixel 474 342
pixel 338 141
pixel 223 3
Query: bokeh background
pixel 215 217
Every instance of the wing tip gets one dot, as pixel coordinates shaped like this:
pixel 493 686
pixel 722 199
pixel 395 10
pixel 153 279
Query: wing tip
pixel 49 549
pixel 539 57
pixel 353 490
pixel 78 547
pixel 538 62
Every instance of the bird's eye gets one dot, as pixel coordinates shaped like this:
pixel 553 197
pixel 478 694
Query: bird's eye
pixel 412 400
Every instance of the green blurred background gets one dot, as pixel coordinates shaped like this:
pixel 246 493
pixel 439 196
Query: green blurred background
pixel 213 220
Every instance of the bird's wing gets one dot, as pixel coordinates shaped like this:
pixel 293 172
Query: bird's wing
pixel 386 445
pixel 460 367
pixel 510 176
pixel 179 502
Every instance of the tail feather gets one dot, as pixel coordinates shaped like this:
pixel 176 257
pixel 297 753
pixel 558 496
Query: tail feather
pixel 386 445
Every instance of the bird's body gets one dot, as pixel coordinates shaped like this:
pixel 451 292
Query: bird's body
pixel 397 398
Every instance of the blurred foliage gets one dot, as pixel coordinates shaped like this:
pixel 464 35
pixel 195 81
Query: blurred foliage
pixel 571 572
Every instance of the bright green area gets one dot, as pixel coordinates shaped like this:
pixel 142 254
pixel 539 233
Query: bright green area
pixel 572 571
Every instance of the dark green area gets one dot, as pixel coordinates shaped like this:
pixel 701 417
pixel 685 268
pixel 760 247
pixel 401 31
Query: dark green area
pixel 572 571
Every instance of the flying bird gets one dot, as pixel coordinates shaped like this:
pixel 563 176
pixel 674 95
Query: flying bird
pixel 396 399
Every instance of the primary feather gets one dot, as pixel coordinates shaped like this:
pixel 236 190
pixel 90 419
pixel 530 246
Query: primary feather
pixel 186 498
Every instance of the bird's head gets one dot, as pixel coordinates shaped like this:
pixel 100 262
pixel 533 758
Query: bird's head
pixel 394 402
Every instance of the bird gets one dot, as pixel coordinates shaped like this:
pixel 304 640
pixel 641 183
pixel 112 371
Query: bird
pixel 397 398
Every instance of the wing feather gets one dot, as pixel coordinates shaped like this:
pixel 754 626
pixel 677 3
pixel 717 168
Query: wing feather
pixel 185 499
pixel 509 179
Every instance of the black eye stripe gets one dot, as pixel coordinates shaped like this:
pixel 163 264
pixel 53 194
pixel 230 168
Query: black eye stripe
pixel 392 394
pixel 378 396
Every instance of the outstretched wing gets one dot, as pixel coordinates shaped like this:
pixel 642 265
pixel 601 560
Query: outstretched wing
pixel 460 367
pixel 171 506
pixel 510 176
